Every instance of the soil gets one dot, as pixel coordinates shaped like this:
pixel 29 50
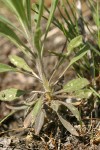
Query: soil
pixel 53 136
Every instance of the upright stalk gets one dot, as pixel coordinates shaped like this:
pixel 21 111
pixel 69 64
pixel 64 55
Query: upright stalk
pixel 39 65
pixel 40 68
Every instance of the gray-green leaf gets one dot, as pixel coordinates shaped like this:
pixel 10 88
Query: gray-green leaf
pixel 30 119
pixel 19 62
pixel 75 85
pixel 72 108
pixel 77 41
pixel 28 6
pixel 37 40
pixel 5 68
pixel 78 56
pixel 84 93
pixel 55 105
pixel 9 23
pixel 19 10
pixel 68 126
pixel 37 36
pixel 11 35
pixel 39 121
pixel 10 94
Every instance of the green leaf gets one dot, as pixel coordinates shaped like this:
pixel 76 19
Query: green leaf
pixel 93 48
pixel 11 35
pixel 7 116
pixel 9 23
pixel 68 126
pixel 30 119
pixel 10 94
pixel 78 56
pixel 28 8
pixel 52 10
pixel 39 16
pixel 77 41
pixel 95 92
pixel 58 54
pixel 19 10
pixel 37 35
pixel 75 85
pixel 5 68
pixel 39 121
pixel 37 40
pixel 72 108
pixel 35 8
pixel 19 62
pixel 84 93
pixel 36 109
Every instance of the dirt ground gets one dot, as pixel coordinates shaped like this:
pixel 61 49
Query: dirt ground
pixel 53 135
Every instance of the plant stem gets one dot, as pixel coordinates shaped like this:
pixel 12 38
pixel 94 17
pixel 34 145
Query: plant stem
pixel 42 74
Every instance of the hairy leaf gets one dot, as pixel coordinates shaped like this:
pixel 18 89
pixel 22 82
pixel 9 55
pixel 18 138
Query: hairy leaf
pixel 37 39
pixel 19 10
pixel 10 94
pixel 39 121
pixel 68 126
pixel 30 119
pixel 84 93
pixel 11 35
pixel 5 68
pixel 19 62
pixel 75 85
pixel 55 105
pixel 77 41
pixel 37 36
pixel 72 108
pixel 78 56
pixel 9 23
